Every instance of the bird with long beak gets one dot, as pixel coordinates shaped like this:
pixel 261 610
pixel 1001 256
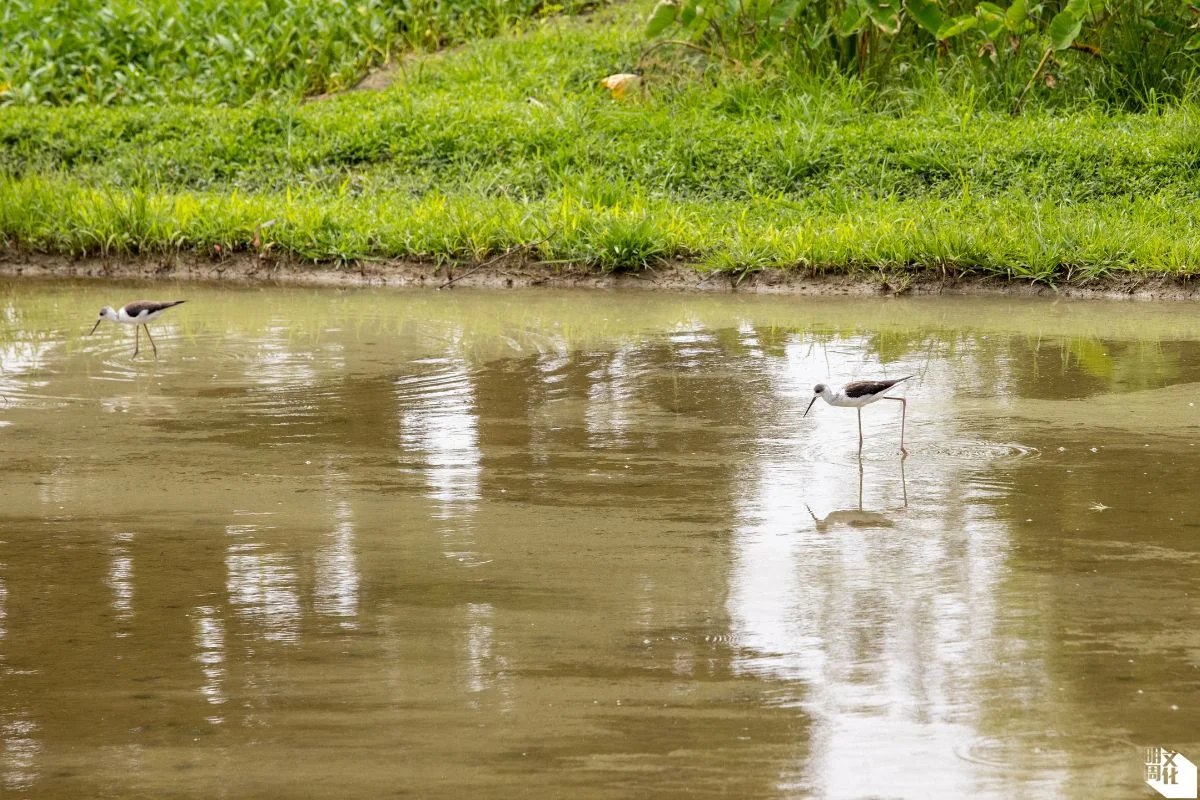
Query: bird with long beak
pixel 137 314
pixel 859 394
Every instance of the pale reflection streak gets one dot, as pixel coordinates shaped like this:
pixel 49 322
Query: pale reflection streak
pixel 120 580
pixel 485 669
pixel 288 397
pixel 873 630
pixel 19 746
pixel 18 361
pixel 690 342
pixel 552 372
pixel 58 486
pixel 479 646
pixel 438 422
pixel 610 390
pixel 262 586
pixel 18 758
pixel 277 363
pixel 336 591
pixel 209 637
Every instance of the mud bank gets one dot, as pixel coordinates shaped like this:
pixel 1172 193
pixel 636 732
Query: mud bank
pixel 516 274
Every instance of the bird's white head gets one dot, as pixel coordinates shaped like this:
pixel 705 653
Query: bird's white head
pixel 106 313
pixel 820 390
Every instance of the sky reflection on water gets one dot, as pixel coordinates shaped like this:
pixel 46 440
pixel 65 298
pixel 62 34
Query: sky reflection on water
pixel 353 543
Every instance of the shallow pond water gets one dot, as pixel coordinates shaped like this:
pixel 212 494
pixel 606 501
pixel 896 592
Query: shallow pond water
pixel 342 544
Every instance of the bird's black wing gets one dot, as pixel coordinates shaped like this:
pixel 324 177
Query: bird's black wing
pixel 868 388
pixel 149 306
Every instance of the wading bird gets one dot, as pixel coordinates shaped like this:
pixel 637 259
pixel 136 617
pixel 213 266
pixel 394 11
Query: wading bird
pixel 858 394
pixel 136 314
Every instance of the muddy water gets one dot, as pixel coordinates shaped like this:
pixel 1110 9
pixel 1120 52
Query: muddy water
pixel 375 544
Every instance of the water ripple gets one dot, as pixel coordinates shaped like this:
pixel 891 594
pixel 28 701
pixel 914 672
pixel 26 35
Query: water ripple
pixel 1039 750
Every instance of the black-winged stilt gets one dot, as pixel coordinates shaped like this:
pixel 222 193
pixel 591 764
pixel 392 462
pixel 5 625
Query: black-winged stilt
pixel 137 314
pixel 859 394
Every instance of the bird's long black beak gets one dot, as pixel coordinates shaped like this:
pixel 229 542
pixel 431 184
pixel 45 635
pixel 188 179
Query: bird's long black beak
pixel 97 325
pixel 805 414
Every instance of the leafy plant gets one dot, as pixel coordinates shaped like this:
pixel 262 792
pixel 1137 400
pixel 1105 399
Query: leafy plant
pixel 128 52
pixel 876 36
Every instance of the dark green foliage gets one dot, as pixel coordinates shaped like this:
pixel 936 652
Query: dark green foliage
pixel 1127 52
pixel 122 52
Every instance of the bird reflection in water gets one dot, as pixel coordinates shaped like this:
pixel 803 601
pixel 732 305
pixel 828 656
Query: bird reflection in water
pixel 858 517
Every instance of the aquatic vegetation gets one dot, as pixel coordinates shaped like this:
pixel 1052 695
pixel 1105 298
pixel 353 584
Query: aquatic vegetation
pixel 60 52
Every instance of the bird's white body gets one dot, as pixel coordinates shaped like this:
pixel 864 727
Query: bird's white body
pixel 838 397
pixel 859 394
pixel 123 316
pixel 135 314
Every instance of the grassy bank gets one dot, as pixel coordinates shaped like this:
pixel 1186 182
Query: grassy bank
pixel 510 142
pixel 221 52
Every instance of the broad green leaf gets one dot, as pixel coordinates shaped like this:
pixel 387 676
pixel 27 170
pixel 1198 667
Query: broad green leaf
pixel 1063 29
pixel 1088 10
pixel 699 24
pixel 662 17
pixel 885 14
pixel 1193 43
pixel 1163 25
pixel 991 20
pixel 1080 8
pixel 852 20
pixel 786 10
pixel 958 25
pixel 688 13
pixel 1016 15
pixel 927 14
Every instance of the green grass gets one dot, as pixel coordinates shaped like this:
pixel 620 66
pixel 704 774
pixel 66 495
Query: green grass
pixel 128 52
pixel 1010 236
pixel 508 141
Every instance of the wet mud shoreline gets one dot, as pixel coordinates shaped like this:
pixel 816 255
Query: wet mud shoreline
pixel 246 268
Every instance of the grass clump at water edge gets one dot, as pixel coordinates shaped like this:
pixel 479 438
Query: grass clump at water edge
pixel 981 236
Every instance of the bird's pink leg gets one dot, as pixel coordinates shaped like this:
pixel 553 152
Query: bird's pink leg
pixel 151 338
pixel 903 413
pixel 137 340
pixel 860 438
